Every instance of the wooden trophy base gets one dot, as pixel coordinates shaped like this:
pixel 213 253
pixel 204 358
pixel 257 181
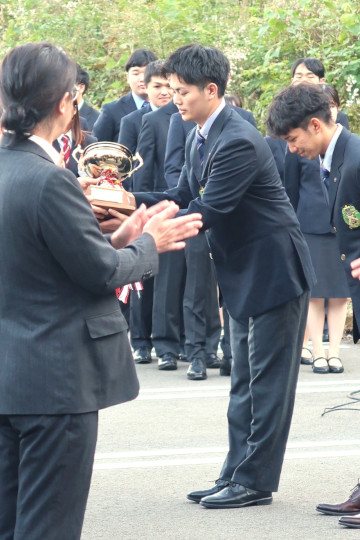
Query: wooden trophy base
pixel 107 198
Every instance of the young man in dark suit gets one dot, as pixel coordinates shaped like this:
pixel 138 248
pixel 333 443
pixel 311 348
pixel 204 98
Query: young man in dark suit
pixel 301 116
pixel 263 269
pixel 85 110
pixel 160 94
pixel 107 126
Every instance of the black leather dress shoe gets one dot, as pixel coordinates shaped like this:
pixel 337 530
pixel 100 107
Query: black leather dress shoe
pixel 347 508
pixel 196 496
pixel 353 522
pixel 197 370
pixel 212 361
pixel 225 367
pixel 167 362
pixel 142 356
pixel 236 496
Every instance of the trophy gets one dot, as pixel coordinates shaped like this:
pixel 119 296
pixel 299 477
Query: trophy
pixel 111 163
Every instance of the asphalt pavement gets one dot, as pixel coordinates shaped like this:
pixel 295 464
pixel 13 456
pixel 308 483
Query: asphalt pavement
pixel 173 439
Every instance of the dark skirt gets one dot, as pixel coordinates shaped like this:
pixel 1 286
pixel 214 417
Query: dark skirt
pixel 329 270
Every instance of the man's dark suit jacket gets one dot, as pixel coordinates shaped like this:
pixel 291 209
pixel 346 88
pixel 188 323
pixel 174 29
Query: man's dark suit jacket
pixel 344 190
pixel 90 114
pixel 107 126
pixel 260 255
pixel 130 127
pixel 175 146
pixel 73 165
pixel 151 147
pixel 306 191
pixel 64 346
pixel 278 148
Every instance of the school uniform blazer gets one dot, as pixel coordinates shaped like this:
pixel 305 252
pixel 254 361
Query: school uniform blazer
pixel 107 126
pixel 90 114
pixel 260 255
pixel 64 346
pixel 344 190
pixel 306 191
pixel 130 127
pixel 73 166
pixel 278 148
pixel 175 146
pixel 151 146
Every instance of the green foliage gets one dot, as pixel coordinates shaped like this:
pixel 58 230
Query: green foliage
pixel 260 38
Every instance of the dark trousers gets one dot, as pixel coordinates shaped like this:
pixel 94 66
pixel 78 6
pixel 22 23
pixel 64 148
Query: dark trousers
pixel 167 316
pixel 45 473
pixel 225 340
pixel 266 353
pixel 201 308
pixel 141 307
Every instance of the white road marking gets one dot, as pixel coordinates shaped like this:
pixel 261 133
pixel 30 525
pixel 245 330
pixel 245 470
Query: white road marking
pixel 201 456
pixel 313 387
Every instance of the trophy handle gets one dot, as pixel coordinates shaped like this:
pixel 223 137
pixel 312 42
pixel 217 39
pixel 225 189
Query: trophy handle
pixel 138 158
pixel 78 150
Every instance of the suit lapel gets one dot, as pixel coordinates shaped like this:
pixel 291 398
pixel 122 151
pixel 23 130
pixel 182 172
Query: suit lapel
pixel 213 136
pixel 336 166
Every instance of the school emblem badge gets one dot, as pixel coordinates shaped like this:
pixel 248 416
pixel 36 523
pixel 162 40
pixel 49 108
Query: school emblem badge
pixel 351 216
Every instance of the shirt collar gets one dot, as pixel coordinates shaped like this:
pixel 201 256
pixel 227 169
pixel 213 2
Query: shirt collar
pixel 204 131
pixel 138 100
pixel 326 162
pixel 47 147
pixel 153 107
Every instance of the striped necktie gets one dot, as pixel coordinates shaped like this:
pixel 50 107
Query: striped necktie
pixel 66 149
pixel 325 176
pixel 200 145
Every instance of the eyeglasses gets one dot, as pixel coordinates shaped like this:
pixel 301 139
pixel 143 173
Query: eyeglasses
pixel 74 93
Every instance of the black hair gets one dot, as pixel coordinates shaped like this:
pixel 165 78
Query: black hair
pixel 140 58
pixel 331 92
pixel 200 66
pixel 233 99
pixel 294 106
pixel 33 80
pixel 154 69
pixel 82 76
pixel 313 64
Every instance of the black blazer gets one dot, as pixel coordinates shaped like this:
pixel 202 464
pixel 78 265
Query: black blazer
pixel 344 190
pixel 306 191
pixel 175 146
pixel 107 126
pixel 278 148
pixel 151 147
pixel 64 346
pixel 90 114
pixel 130 127
pixel 73 165
pixel 260 255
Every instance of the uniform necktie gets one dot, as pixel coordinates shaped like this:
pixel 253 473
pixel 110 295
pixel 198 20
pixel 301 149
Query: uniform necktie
pixel 325 176
pixel 200 146
pixel 66 149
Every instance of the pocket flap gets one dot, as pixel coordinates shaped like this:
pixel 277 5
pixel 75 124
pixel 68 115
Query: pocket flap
pixel 105 325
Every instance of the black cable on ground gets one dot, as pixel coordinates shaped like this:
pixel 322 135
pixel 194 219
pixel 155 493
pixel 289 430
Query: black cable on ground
pixel 344 406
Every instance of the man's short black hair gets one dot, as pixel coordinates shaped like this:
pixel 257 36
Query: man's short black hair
pixel 200 66
pixel 82 77
pixel 313 64
pixel 294 106
pixel 154 69
pixel 140 58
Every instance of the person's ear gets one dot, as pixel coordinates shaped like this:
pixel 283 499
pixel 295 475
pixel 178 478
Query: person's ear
pixel 212 90
pixel 315 124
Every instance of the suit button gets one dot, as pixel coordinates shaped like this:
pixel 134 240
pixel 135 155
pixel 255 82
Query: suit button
pixel 334 229
pixel 335 179
pixel 210 255
pixel 343 257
